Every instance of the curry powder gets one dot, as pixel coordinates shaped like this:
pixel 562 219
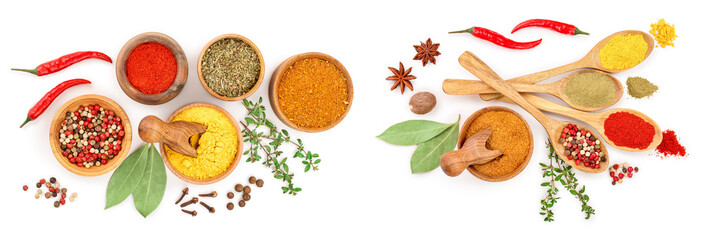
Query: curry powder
pixel 216 147
pixel 509 135
pixel 313 93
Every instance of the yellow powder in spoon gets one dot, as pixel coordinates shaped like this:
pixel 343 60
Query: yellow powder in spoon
pixel 623 52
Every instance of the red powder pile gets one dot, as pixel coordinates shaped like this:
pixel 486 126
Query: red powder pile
pixel 151 68
pixel 628 130
pixel 670 146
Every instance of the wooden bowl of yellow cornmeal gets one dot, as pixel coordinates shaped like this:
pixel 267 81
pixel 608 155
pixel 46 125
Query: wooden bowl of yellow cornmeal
pixel 219 147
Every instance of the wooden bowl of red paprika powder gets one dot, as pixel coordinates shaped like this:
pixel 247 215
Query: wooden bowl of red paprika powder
pixel 151 68
pixel 73 105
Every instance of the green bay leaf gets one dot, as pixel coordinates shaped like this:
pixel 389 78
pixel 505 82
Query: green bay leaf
pixel 427 155
pixel 413 132
pixel 126 177
pixel 147 196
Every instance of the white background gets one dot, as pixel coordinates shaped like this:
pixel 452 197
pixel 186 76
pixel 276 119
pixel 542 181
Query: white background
pixel 364 187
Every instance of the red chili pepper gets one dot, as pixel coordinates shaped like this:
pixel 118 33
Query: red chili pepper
pixel 63 62
pixel 499 39
pixel 560 27
pixel 49 97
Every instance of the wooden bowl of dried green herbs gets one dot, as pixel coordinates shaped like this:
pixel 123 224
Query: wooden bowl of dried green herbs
pixel 311 92
pixel 231 67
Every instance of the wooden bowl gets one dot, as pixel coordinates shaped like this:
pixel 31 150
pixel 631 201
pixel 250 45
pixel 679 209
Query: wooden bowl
pixel 220 176
pixel 463 136
pixel 72 105
pixel 261 64
pixel 181 63
pixel 278 75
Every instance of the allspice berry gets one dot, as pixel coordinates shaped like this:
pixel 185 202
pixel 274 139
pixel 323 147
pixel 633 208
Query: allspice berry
pixel 241 203
pixel 246 197
pixel 230 206
pixel 230 195
pixel 238 187
pixel 422 102
pixel 252 180
pixel 247 189
pixel 260 183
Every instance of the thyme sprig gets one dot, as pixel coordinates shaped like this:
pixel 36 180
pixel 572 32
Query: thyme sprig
pixel 269 144
pixel 561 172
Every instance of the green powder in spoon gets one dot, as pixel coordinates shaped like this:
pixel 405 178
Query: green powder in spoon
pixel 639 87
pixel 590 90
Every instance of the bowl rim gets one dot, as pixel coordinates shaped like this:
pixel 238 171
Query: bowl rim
pixel 261 67
pixel 463 136
pixel 102 169
pixel 181 63
pixel 278 75
pixel 220 176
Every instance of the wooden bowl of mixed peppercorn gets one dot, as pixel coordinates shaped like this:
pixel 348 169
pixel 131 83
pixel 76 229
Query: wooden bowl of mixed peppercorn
pixel 231 67
pixel 90 135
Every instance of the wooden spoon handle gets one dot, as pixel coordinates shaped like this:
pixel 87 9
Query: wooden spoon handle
pixel 464 87
pixel 546 105
pixel 477 67
pixel 151 129
pixel 537 77
pixel 473 152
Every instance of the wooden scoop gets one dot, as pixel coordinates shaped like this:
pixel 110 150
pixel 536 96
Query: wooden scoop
pixel 554 127
pixel 557 89
pixel 175 134
pixel 473 152
pixel 596 120
pixel 591 60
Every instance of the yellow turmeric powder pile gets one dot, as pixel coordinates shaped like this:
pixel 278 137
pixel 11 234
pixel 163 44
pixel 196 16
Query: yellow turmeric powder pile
pixel 663 33
pixel 313 93
pixel 622 52
pixel 509 135
pixel 216 147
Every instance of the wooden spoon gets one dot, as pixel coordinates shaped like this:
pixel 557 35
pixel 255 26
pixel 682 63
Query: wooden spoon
pixel 596 120
pixel 175 134
pixel 557 89
pixel 591 60
pixel 554 127
pixel 473 152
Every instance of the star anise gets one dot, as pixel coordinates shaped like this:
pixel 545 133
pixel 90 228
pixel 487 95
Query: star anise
pixel 402 77
pixel 426 51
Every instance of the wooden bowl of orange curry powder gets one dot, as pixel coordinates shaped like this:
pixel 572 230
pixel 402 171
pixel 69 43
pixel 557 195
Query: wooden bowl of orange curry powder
pixel 311 92
pixel 510 134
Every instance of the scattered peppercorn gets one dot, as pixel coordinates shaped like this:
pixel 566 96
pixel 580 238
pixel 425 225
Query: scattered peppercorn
pixel 64 190
pixel 39 191
pixel 238 188
pixel 252 180
pixel 230 206
pixel 39 185
pixel 241 203
pixel 54 194
pixel 57 204
pixel 47 195
pixel 247 189
pixel 42 181
pixel 230 195
pixel 260 183
pixel 52 180
pixel 618 172
pixel 25 187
